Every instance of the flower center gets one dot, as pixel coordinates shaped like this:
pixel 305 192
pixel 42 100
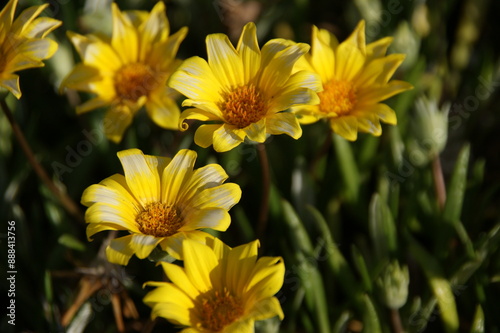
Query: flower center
pixel 338 97
pixel 133 81
pixel 243 106
pixel 219 310
pixel 159 220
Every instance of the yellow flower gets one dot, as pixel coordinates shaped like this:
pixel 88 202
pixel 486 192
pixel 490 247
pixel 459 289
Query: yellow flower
pixel 130 70
pixel 160 202
pixel 355 80
pixel 243 92
pixel 219 289
pixel 23 43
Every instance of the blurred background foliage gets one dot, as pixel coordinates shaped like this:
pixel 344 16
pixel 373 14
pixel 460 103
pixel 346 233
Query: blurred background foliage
pixel 369 241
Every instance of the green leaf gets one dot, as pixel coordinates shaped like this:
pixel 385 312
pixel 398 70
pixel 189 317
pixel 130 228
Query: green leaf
pixel 371 322
pixel 478 322
pixel 348 167
pixel 341 323
pixel 456 188
pixel 315 291
pixel 300 238
pixel 382 229
pixel 360 264
pixel 440 286
pixel 71 242
pixel 336 261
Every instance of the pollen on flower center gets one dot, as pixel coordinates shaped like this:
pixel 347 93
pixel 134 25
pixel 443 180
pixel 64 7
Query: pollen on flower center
pixel 243 106
pixel 220 309
pixel 133 81
pixel 159 220
pixel 338 97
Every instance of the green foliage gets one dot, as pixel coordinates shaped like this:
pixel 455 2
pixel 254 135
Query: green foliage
pixel 340 213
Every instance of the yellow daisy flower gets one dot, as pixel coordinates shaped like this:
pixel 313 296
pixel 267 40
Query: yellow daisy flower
pixel 23 43
pixel 219 289
pixel 160 202
pixel 130 70
pixel 355 79
pixel 243 92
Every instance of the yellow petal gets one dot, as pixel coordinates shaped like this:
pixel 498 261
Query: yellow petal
pixel 208 176
pixel 204 135
pixel 384 112
pixel 80 77
pixel 116 121
pixel 357 38
pixel 266 308
pixel 112 197
pixel 370 124
pixel 7 16
pixel 256 131
pixel 223 196
pixel 95 52
pixel 196 114
pixel 277 71
pixel 41 27
pixel 248 49
pixel 241 326
pixel 124 40
pixel 378 71
pixel 199 262
pixel 225 138
pixel 119 250
pixel 163 110
pixel 195 79
pixel 284 123
pixel 23 21
pixel 176 175
pixel 378 94
pixel 173 244
pixel 169 302
pixel 378 48
pixel 322 54
pixel 153 30
pixel 94 228
pixel 349 61
pixel 164 52
pixel 212 218
pixel 11 83
pixel 143 181
pixel 224 61
pixel 266 278
pixel 346 127
pixel 143 245
pixel 240 264
pixel 288 99
pixel 308 114
pixel 120 217
pixel 90 105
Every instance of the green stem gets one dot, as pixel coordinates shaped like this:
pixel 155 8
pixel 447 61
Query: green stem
pixel 439 185
pixel 63 198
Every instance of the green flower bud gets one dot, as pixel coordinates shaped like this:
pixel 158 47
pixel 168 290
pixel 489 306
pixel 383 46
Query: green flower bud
pixel 393 285
pixel 430 131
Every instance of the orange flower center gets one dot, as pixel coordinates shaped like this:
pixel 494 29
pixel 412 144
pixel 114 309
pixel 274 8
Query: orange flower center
pixel 159 220
pixel 133 81
pixel 219 310
pixel 338 97
pixel 243 106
